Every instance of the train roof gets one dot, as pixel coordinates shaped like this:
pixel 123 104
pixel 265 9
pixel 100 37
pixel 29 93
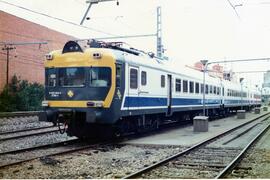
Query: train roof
pixel 140 58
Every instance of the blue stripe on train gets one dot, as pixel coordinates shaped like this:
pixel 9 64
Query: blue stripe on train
pixel 154 101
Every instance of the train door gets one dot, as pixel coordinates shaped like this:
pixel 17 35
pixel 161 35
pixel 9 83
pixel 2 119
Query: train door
pixel 169 95
pixel 221 94
pixel 143 88
pixel 133 93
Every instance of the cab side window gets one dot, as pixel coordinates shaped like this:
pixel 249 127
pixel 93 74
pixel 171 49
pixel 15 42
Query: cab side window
pixel 133 78
pixel 118 75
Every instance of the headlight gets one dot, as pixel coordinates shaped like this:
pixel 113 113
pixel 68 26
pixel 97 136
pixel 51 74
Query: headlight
pixel 97 55
pixel 99 104
pixel 49 57
pixel 95 104
pixel 45 104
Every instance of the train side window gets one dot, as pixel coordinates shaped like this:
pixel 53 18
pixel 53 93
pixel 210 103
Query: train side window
pixel 215 90
pixel 185 86
pixel 143 78
pixel 191 87
pixel 118 75
pixel 206 89
pixel 197 88
pixel 223 91
pixel 202 87
pixel 211 89
pixel 177 85
pixel 133 78
pixel 218 90
pixel 162 81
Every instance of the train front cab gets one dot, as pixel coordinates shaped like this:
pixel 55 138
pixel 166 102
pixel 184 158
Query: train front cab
pixel 80 88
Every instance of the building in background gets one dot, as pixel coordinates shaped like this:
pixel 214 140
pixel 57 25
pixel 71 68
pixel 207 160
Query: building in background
pixel 266 79
pixel 26 61
pixel 266 87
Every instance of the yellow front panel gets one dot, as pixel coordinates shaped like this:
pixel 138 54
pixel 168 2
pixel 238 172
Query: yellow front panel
pixel 73 104
pixel 78 59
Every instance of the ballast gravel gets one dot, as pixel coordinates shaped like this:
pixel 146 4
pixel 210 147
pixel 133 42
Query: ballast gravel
pixel 115 161
pixel 19 123
pixel 32 141
pixel 256 164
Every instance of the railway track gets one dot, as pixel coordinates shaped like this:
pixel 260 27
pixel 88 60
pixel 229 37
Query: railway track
pixel 203 160
pixel 19 114
pixel 10 135
pixel 27 154
pixel 24 130
pixel 46 151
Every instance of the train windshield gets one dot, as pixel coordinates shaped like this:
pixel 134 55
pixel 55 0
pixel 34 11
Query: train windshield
pixel 100 77
pixel 50 77
pixel 72 77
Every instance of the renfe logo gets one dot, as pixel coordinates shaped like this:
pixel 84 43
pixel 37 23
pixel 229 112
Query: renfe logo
pixel 55 94
pixel 70 93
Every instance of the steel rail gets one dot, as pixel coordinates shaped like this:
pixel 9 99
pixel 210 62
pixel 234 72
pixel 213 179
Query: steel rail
pixel 27 135
pixel 25 130
pixel 64 143
pixel 54 154
pixel 19 114
pixel 236 160
pixel 153 166
pixel 38 147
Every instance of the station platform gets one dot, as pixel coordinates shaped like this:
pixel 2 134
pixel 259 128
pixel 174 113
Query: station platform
pixel 184 136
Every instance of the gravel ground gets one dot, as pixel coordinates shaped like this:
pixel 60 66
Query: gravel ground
pixel 18 123
pixel 105 162
pixel 207 163
pixel 256 164
pixel 120 160
pixel 32 141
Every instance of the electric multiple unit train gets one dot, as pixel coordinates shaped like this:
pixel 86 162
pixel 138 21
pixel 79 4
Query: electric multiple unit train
pixel 107 89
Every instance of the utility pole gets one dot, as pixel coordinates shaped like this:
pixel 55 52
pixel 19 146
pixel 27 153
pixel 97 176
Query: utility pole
pixel 204 63
pixel 7 48
pixel 241 82
pixel 159 35
pixel 10 46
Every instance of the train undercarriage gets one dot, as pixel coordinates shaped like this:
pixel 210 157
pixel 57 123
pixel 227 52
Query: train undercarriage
pixel 74 123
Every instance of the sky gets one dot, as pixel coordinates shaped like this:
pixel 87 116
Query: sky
pixel 192 30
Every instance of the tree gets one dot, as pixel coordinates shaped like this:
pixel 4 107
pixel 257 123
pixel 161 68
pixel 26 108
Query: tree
pixel 20 95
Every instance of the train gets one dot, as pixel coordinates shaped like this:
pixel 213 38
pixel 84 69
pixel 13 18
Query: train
pixel 108 90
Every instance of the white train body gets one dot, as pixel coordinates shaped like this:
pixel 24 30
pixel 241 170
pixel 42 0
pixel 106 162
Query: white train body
pixel 152 84
pixel 125 90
